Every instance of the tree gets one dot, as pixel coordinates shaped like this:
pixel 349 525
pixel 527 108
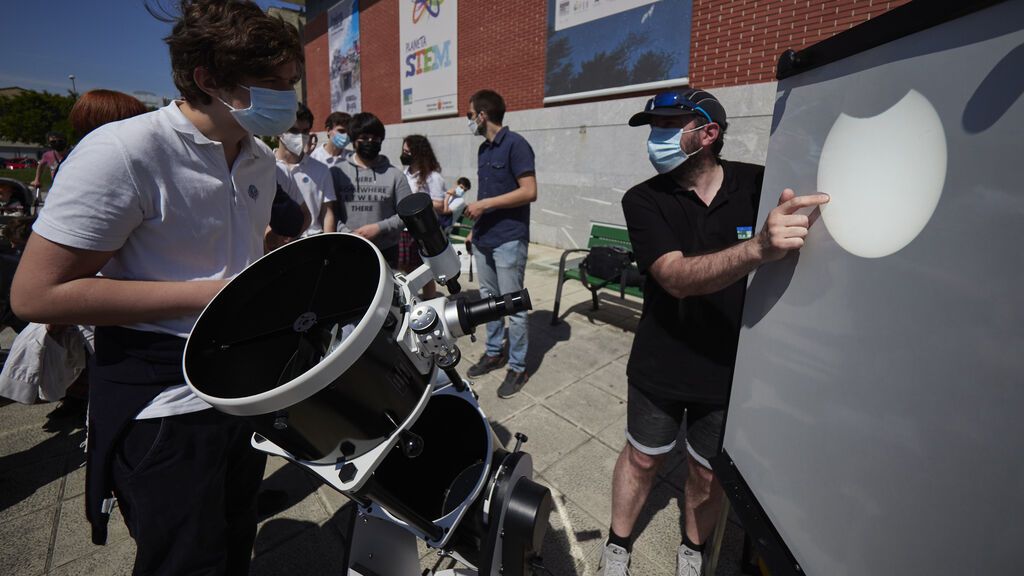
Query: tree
pixel 651 66
pixel 606 69
pixel 28 116
pixel 560 67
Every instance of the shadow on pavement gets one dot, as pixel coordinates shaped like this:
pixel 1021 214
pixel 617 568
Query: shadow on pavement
pixel 25 472
pixel 286 487
pixel 614 311
pixel 289 546
pixel 543 337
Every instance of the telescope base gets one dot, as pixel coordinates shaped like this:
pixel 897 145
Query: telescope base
pixel 381 548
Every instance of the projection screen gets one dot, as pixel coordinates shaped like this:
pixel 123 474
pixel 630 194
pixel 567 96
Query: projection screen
pixel 875 424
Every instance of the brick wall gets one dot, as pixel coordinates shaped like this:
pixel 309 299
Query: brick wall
pixel 318 89
pixel 380 72
pixel 737 42
pixel 502 46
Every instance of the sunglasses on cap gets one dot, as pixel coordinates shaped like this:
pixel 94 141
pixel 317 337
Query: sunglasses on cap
pixel 674 100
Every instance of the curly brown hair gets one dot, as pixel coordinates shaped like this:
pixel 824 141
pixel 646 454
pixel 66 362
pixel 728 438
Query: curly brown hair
pixel 423 159
pixel 232 39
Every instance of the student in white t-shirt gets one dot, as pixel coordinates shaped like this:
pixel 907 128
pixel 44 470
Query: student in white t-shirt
pixel 455 202
pixel 312 178
pixel 423 172
pixel 289 217
pixel 146 221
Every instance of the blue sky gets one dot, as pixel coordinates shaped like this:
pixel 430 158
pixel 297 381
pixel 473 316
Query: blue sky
pixel 112 44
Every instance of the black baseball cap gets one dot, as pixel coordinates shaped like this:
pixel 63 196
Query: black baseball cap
pixel 679 103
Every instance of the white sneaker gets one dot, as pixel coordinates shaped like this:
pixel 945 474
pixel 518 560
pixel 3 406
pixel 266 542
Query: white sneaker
pixel 614 561
pixel 688 562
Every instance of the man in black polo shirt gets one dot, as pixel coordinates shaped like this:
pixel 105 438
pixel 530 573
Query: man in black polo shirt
pixel 501 233
pixel 691 227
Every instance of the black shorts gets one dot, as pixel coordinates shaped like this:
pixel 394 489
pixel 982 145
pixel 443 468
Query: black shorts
pixel 653 424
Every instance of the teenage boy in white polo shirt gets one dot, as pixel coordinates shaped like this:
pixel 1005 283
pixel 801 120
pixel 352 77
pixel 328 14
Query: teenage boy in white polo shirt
pixel 336 148
pixel 312 178
pixel 147 220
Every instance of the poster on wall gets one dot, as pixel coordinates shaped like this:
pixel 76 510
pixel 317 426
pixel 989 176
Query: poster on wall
pixel 429 57
pixel 604 47
pixel 343 42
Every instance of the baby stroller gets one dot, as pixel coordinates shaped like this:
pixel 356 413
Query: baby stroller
pixel 17 212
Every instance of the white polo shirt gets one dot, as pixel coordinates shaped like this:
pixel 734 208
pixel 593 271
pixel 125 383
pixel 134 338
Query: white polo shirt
pixel 160 195
pixel 321 154
pixel 314 182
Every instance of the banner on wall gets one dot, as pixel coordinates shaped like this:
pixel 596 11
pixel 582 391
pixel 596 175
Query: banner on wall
pixel 343 43
pixel 429 57
pixel 605 47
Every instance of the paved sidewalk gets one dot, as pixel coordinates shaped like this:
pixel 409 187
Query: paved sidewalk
pixel 573 410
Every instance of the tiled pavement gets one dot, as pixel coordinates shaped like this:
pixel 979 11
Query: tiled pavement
pixel 573 411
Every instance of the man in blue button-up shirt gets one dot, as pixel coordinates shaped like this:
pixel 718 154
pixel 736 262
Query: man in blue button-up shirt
pixel 501 234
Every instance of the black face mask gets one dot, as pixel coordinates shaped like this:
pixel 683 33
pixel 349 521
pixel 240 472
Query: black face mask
pixel 406 159
pixel 58 145
pixel 368 149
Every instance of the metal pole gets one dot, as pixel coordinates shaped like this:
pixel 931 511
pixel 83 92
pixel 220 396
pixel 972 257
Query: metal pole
pixel 716 543
pixel 74 89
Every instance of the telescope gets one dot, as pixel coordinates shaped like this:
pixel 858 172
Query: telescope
pixel 341 368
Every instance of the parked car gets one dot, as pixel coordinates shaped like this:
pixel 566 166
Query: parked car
pixel 18 163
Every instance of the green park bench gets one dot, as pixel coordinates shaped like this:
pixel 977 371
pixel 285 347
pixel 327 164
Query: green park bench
pixel 601 234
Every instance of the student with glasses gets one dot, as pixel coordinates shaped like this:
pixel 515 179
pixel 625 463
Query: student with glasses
pixel 691 227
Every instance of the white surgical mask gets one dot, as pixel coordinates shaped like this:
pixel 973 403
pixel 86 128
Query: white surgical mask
pixel 664 149
pixel 474 128
pixel 295 143
pixel 270 112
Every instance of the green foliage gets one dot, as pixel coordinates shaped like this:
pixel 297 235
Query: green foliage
pixel 27 175
pixel 28 116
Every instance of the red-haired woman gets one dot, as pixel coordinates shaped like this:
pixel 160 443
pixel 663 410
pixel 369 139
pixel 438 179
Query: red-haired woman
pixel 98 107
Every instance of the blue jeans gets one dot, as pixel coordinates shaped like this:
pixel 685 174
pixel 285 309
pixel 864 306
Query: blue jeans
pixel 501 270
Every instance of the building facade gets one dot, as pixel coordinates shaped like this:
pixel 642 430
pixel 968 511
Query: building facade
pixel 586 155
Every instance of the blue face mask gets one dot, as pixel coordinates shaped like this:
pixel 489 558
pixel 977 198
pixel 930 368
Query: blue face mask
pixel 664 149
pixel 270 112
pixel 339 140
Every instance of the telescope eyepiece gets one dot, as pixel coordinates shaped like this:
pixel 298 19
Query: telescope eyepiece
pixel 473 314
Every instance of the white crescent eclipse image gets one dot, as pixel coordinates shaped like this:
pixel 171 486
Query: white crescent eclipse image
pixel 884 175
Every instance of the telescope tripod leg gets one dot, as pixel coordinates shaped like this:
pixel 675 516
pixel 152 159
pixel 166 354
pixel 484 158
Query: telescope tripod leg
pixel 380 548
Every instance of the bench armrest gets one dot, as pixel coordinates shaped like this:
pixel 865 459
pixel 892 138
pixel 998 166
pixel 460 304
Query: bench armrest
pixel 565 255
